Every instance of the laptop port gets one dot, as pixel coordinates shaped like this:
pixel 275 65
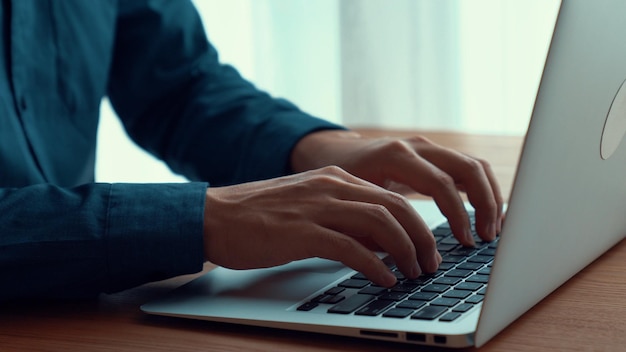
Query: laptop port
pixel 379 334
pixel 440 339
pixel 415 337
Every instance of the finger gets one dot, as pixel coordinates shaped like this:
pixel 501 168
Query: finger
pixel 389 209
pixel 385 216
pixel 330 244
pixel 411 252
pixel 495 186
pixel 436 183
pixel 476 181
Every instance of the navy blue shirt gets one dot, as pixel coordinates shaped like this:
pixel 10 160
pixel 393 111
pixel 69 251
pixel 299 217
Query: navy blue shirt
pixel 61 234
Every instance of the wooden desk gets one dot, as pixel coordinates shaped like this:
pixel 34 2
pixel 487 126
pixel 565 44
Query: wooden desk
pixel 587 313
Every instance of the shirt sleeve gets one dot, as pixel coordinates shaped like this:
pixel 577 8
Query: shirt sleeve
pixel 78 242
pixel 180 103
pixel 200 116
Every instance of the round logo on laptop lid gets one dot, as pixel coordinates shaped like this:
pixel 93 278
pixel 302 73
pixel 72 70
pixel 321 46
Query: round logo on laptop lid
pixel 615 124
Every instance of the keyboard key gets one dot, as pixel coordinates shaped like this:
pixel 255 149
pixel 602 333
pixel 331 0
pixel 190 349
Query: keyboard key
pixel 483 279
pixel 480 259
pixel 469 286
pixel 462 308
pixel 450 316
pixel 449 240
pixel 436 288
pixel 393 296
pixel 453 258
pixel 375 307
pixel 446 302
pixel 429 312
pixel 469 266
pixel 331 299
pixel 447 280
pixel 373 290
pixel 464 251
pixel 411 304
pixel 405 287
pixel 446 266
pixel 480 243
pixel 457 294
pixel 307 306
pixel 488 252
pixel 475 299
pixel 421 280
pixel 351 304
pixel 354 283
pixel 485 271
pixel 459 273
pixel 423 296
pixel 334 290
pixel 435 274
pixel 398 313
pixel 444 247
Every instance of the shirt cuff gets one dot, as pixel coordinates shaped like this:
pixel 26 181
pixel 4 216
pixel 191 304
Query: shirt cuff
pixel 153 232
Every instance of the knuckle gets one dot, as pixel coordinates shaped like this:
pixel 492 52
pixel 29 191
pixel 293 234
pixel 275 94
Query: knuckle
pixel 473 167
pixel 485 164
pixel 396 146
pixel 419 140
pixel 398 200
pixel 378 212
pixel 324 179
pixel 342 244
pixel 329 175
pixel 443 180
pixel 332 170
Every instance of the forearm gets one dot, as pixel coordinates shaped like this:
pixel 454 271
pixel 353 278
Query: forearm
pixel 97 238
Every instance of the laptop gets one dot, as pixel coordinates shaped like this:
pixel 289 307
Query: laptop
pixel 567 207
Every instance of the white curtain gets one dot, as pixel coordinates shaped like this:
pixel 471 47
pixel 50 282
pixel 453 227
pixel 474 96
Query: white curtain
pixel 470 65
pixel 462 65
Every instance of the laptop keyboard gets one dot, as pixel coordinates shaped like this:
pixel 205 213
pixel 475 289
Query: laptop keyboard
pixel 445 295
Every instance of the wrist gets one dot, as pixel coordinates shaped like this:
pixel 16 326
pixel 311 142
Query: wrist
pixel 318 149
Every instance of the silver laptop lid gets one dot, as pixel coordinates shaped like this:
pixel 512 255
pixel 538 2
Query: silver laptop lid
pixel 568 204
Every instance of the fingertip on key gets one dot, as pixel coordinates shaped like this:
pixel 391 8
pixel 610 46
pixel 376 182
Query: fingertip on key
pixel 387 279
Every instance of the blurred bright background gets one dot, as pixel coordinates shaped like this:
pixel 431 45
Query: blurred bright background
pixel 445 65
